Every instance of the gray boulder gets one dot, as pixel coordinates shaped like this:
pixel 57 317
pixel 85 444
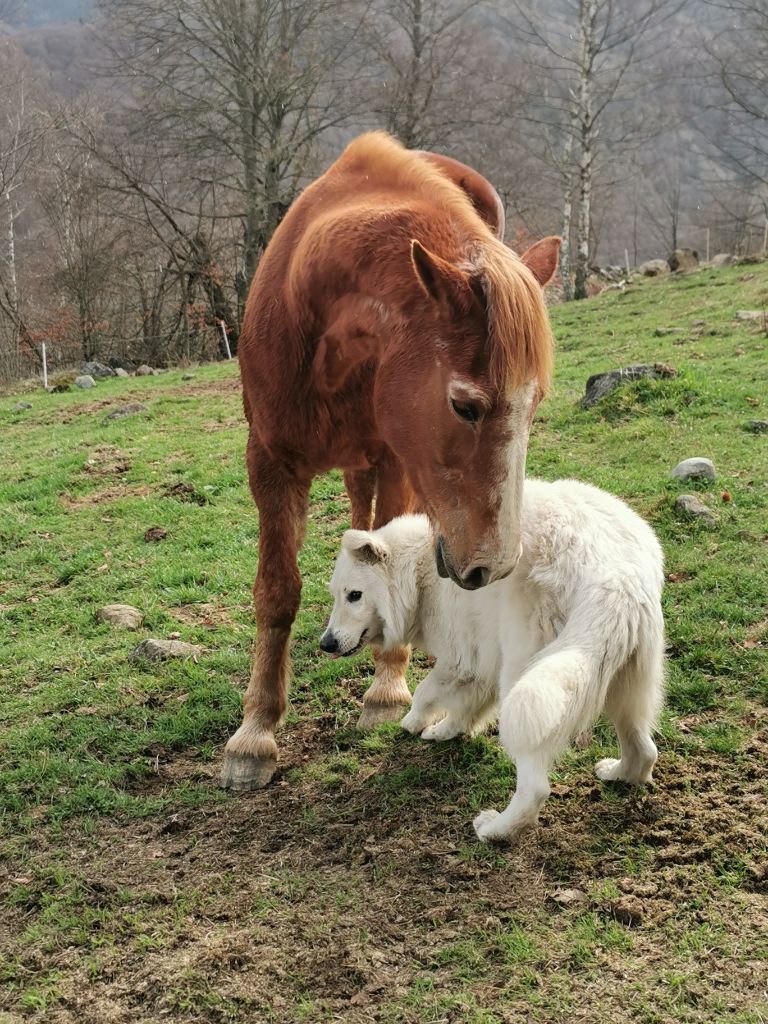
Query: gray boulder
pixel 684 259
pixel 120 372
pixel 757 426
pixel 723 259
pixel 653 268
pixel 692 507
pixel 23 405
pixel 124 615
pixel 161 650
pixel 749 314
pixel 694 469
pixel 85 381
pixel 97 370
pixel 124 410
pixel 144 371
pixel 601 384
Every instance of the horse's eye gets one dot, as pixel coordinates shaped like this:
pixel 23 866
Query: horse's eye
pixel 354 595
pixel 465 411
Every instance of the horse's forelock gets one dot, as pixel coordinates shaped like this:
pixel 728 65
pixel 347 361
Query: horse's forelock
pixel 518 324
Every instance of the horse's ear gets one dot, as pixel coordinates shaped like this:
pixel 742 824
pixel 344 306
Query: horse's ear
pixel 442 281
pixel 542 259
pixel 365 547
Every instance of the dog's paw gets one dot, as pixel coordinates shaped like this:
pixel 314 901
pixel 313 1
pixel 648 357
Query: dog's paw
pixel 413 722
pixel 446 729
pixel 487 827
pixel 612 770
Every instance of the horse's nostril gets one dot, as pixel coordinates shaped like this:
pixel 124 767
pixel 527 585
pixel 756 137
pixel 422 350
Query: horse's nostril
pixel 476 578
pixel 329 644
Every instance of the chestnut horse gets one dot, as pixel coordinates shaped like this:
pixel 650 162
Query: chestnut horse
pixel 388 332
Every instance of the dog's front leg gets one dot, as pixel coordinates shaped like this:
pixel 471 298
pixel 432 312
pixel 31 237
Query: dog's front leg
pixel 428 701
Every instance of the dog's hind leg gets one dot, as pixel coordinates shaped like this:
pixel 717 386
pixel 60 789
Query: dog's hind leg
pixel 558 695
pixel 633 702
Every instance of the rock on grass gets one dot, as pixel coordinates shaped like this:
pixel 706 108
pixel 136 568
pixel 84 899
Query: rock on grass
pixel 85 381
pixel 696 468
pixel 124 615
pixel 124 410
pixel 601 384
pixel 690 506
pixel 162 650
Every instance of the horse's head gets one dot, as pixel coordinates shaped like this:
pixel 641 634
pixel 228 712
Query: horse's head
pixel 463 354
pixel 456 396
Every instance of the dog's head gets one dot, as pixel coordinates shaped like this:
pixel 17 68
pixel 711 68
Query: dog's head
pixel 360 590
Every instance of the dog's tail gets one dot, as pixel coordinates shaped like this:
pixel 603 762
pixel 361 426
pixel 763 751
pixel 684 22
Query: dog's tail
pixel 563 690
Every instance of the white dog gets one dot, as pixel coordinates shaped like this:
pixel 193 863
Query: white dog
pixel 575 630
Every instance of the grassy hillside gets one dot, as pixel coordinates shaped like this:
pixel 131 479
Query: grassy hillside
pixel 352 889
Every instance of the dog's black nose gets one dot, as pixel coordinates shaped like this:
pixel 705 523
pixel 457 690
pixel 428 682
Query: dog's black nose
pixel 329 643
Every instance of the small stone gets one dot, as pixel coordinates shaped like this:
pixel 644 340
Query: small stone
pixel 98 370
pixel 161 650
pixel 124 410
pixel 23 405
pixel 124 615
pixel 120 372
pixel 694 469
pixel 570 898
pixel 690 505
pixel 749 314
pixel 601 384
pixel 155 533
pixel 661 331
pixel 757 426
pixel 85 381
pixel 188 376
pixel 144 371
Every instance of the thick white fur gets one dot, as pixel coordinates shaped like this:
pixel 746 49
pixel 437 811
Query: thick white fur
pixel 576 630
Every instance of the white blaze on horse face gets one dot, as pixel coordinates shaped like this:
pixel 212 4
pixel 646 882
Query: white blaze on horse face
pixel 510 485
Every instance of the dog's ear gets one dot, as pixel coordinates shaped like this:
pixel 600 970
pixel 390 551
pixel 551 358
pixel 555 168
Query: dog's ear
pixel 365 547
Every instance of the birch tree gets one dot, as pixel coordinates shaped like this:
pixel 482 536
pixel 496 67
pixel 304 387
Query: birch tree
pixel 589 55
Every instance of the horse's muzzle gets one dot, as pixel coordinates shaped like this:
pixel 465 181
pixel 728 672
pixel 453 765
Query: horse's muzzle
pixel 477 577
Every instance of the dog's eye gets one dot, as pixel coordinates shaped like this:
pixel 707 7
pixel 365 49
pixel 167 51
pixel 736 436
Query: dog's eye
pixel 354 595
pixel 466 411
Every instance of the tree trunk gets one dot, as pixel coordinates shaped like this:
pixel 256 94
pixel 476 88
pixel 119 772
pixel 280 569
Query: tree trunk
pixel 587 22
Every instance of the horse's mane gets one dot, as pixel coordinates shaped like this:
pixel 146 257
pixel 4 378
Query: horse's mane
pixel 518 325
pixel 522 348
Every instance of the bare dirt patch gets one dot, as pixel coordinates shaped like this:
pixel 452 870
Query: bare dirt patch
pixel 346 896
pixel 208 615
pixel 106 496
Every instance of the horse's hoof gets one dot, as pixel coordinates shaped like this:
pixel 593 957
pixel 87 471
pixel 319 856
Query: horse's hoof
pixel 377 714
pixel 244 772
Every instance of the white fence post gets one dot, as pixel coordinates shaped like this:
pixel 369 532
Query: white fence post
pixel 226 339
pixel 45 369
pixel 626 261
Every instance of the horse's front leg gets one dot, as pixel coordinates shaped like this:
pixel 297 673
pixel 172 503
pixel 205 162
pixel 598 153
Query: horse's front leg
pixel 250 756
pixel 388 694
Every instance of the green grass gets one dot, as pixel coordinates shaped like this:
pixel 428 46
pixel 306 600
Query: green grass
pixel 353 887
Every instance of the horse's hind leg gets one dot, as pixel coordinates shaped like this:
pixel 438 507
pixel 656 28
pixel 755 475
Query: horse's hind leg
pixel 250 756
pixel 361 485
pixel 388 694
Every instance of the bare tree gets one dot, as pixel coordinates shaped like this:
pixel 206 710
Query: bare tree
pixel 244 87
pixel 425 69
pixel 23 129
pixel 587 55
